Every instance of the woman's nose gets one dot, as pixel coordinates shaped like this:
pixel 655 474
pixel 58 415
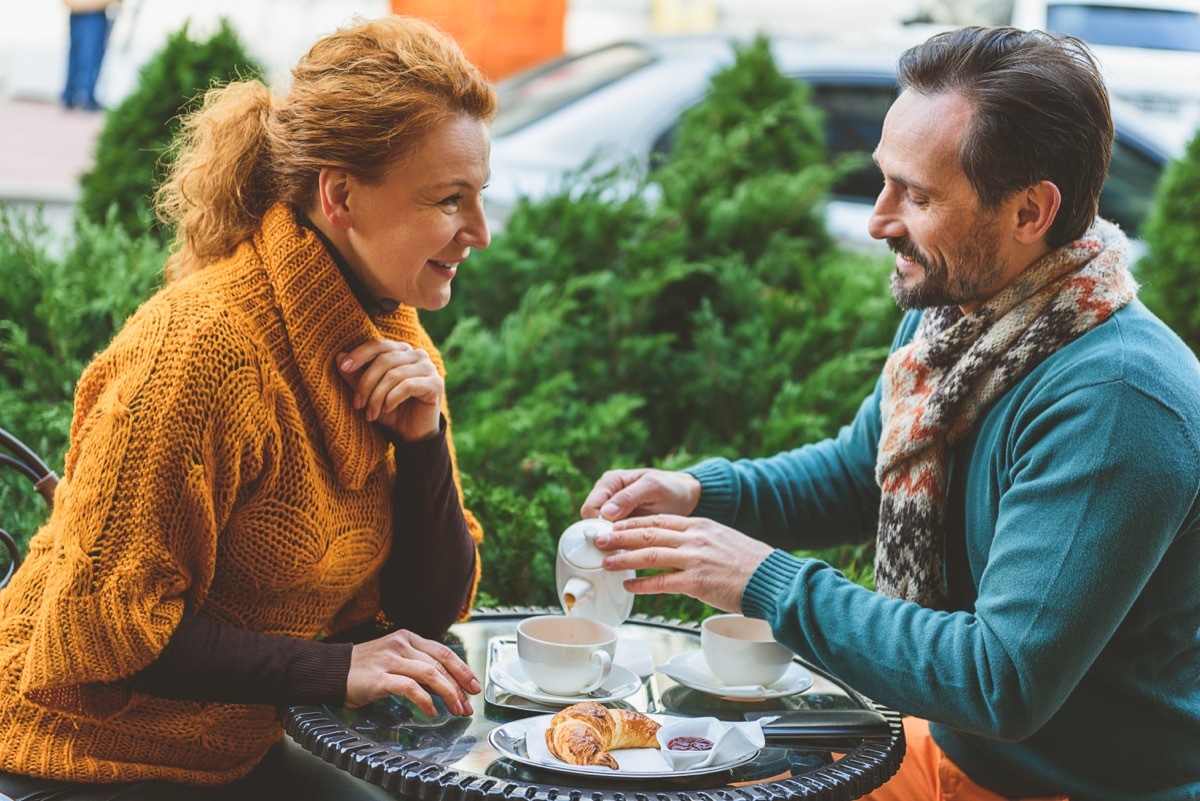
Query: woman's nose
pixel 475 233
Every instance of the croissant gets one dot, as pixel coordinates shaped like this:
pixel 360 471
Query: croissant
pixel 583 734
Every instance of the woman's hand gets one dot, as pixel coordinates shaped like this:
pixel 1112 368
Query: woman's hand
pixel 398 386
pixel 708 561
pixel 403 663
pixel 621 493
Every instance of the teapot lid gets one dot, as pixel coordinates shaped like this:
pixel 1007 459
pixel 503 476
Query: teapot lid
pixel 578 543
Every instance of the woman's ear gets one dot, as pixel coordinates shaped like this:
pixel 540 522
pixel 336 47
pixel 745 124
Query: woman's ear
pixel 1037 208
pixel 333 191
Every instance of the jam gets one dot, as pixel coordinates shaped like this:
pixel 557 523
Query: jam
pixel 689 744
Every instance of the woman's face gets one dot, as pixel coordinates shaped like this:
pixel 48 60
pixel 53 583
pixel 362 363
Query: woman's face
pixel 407 235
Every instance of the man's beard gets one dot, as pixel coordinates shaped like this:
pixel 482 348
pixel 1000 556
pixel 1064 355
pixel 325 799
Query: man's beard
pixel 975 276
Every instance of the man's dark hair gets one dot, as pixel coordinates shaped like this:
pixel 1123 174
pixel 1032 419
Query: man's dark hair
pixel 1041 113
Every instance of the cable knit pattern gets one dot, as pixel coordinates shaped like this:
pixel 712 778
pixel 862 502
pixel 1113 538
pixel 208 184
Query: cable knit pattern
pixel 936 387
pixel 216 463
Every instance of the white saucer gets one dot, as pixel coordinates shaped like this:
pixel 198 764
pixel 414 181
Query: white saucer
pixel 691 670
pixel 511 677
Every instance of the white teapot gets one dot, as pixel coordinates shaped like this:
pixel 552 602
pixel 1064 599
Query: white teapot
pixel 585 588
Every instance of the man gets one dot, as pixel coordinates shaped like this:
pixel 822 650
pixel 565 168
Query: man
pixel 1028 465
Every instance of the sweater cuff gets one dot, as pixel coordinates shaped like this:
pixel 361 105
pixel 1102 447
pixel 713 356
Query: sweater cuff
pixel 317 672
pixel 718 489
pixel 772 578
pixel 420 446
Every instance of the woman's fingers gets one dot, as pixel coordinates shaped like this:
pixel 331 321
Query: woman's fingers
pixel 395 385
pixel 407 664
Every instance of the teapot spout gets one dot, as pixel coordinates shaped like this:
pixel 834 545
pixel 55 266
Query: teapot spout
pixel 578 596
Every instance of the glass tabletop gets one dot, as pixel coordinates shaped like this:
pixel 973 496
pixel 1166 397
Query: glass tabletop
pixel 393 744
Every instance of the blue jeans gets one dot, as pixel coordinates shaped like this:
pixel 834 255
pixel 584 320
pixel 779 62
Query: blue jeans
pixel 89 36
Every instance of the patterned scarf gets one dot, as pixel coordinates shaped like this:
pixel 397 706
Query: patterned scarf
pixel 936 387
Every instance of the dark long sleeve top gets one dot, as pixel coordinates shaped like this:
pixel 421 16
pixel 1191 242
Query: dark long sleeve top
pixel 423 586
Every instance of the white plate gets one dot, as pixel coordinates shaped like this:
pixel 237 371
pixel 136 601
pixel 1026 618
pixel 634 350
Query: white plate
pixel 513 740
pixel 691 670
pixel 511 677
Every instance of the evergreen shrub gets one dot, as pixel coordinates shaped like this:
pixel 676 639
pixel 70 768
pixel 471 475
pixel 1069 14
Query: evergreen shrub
pixel 133 142
pixel 56 311
pixel 602 329
pixel 1170 270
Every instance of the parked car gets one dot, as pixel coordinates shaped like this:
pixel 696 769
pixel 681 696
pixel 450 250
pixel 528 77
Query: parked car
pixel 591 111
pixel 1150 50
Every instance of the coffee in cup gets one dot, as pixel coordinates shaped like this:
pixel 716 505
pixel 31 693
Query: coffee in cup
pixel 742 650
pixel 566 656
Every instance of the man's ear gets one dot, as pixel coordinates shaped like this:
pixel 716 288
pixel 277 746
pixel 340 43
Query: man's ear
pixel 333 191
pixel 1037 209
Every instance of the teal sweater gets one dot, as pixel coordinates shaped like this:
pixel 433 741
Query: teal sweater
pixel 1071 661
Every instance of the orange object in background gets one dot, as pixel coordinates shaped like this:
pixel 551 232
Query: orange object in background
pixel 499 36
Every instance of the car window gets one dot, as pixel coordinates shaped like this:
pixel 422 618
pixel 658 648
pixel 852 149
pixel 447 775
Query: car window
pixel 853 126
pixel 530 96
pixel 1156 28
pixel 854 115
pixel 1129 191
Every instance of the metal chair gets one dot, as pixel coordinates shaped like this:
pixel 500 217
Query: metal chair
pixel 20 458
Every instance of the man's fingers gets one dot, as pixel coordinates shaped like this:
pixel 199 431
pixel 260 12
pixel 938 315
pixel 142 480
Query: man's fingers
pixel 607 489
pixel 644 532
pixel 658 584
pixel 645 559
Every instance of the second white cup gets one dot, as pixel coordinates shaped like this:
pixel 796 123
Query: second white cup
pixel 742 651
pixel 566 656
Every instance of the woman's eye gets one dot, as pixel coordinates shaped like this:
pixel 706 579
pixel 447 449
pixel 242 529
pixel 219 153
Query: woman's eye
pixel 451 202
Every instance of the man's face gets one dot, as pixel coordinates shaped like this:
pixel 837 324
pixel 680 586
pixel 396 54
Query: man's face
pixel 949 251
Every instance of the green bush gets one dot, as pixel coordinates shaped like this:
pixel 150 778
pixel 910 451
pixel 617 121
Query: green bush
pixel 55 313
pixel 1170 271
pixel 601 330
pixel 137 132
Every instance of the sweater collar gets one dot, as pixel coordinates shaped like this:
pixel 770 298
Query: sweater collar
pixel 372 304
pixel 322 318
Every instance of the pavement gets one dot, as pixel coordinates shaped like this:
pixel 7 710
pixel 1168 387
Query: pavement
pixel 44 148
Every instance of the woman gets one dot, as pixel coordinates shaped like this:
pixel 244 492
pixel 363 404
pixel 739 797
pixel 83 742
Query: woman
pixel 260 457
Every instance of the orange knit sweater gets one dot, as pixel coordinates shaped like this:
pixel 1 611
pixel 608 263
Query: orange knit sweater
pixel 216 463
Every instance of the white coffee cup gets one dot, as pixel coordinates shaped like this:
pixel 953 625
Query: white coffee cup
pixel 742 651
pixel 566 656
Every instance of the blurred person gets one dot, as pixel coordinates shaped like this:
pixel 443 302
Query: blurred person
pixel 1028 465
pixel 90 25
pixel 260 504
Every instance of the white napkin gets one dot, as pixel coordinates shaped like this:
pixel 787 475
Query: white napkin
pixel 691 668
pixel 730 741
pixel 635 655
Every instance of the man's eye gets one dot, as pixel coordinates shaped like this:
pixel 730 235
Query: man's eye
pixel 451 202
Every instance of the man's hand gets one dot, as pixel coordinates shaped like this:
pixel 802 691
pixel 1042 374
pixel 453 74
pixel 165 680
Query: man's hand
pixel 621 493
pixel 403 663
pixel 708 561
pixel 397 385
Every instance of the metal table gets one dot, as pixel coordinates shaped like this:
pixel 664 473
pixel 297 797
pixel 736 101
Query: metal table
pixel 393 745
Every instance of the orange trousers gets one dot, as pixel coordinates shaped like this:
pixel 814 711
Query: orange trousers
pixel 927 774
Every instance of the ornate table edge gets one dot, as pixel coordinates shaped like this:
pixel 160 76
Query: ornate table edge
pixel 316 730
